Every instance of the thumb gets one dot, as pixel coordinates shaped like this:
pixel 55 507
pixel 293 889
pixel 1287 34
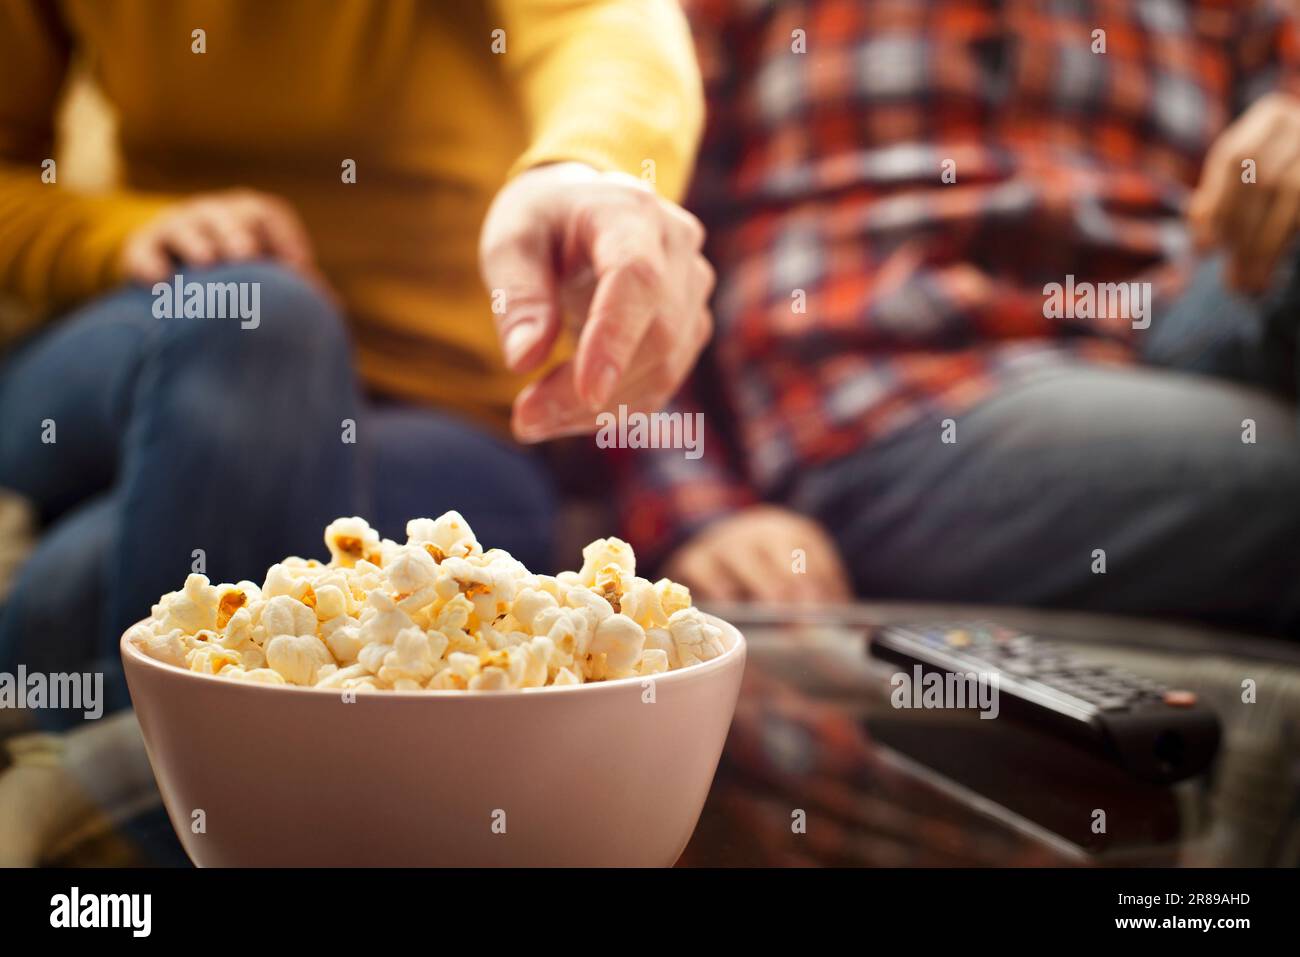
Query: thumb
pixel 520 275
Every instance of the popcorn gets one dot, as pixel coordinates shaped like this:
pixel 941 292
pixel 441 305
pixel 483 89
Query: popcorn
pixel 238 632
pixel 661 639
pixel 529 605
pixel 461 668
pixel 297 658
pixel 168 646
pixel 382 620
pixel 232 598
pixel 342 637
pixel 448 536
pixel 331 602
pixel 694 638
pixel 616 648
pixel 653 662
pixel 568 630
pixel 640 602
pixel 413 574
pixel 415 656
pixel 602 553
pixel 342 677
pixel 672 596
pixel 192 608
pixel 595 608
pixel 351 540
pixel 263 676
pixel 490 587
pixel 283 615
pixel 437 612
pixel 211 660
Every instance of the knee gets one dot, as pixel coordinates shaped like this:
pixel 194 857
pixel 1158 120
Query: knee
pixel 259 310
pixel 290 308
pixel 281 340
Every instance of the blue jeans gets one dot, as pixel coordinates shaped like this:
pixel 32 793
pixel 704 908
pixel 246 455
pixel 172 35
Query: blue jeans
pixel 180 444
pixel 1072 465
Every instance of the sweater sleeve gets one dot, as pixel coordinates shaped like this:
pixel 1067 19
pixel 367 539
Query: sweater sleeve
pixel 56 246
pixel 610 83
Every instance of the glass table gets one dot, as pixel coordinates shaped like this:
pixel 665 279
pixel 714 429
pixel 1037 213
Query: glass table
pixel 820 769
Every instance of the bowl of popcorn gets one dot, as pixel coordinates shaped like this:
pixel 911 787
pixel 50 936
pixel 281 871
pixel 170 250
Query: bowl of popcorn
pixel 433 703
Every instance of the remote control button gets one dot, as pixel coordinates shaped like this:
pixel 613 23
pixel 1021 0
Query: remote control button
pixel 1180 699
pixel 959 638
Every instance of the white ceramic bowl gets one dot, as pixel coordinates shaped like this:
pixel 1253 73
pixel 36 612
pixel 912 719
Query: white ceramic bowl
pixel 606 774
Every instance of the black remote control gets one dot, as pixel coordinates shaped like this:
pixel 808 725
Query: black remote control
pixel 1154 733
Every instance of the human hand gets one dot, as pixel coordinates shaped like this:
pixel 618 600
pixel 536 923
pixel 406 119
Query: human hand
pixel 750 556
pixel 1253 223
pixel 213 228
pixel 625 263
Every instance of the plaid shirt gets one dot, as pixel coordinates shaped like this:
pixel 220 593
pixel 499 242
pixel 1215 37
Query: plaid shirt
pixel 861 289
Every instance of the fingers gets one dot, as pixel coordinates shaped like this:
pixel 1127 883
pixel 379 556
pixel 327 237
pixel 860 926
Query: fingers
pixel 228 233
pixel 224 227
pixel 1265 224
pixel 686 227
pixel 751 571
pixel 189 239
pixel 145 259
pixel 550 408
pixel 1209 202
pixel 624 264
pixel 277 231
pixel 649 319
pixel 518 266
pixel 631 271
pixel 704 573
pixel 1242 140
pixel 1247 207
pixel 818 577
pixel 1252 219
pixel 1255 265
pixel 780 583
pixel 752 554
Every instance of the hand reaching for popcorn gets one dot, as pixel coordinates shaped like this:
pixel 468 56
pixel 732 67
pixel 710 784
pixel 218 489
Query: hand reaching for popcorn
pixel 624 262
pixel 751 556
pixel 212 228
pixel 1253 222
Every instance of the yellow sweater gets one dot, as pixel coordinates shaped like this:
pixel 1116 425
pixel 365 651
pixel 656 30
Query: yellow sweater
pixel 288 90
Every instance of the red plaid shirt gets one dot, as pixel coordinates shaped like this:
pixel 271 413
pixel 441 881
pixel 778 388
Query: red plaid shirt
pixel 860 291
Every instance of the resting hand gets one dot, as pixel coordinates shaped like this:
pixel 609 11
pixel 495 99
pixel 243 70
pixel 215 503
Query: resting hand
pixel 212 228
pixel 1253 223
pixel 752 556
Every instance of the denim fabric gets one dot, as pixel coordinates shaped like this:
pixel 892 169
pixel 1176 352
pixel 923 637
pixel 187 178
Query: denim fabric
pixel 1071 464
